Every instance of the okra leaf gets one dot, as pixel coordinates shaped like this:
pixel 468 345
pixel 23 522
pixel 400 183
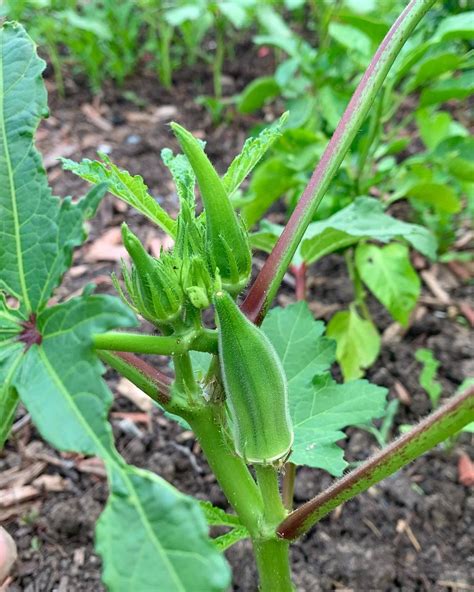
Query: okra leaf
pixel 441 197
pixel 269 182
pixel 59 382
pixel 462 387
pixel 130 189
pixel 183 174
pixel 257 93
pixel 37 231
pixel 8 404
pixel 388 273
pixel 217 516
pixel 362 219
pixel 358 342
pixel 300 343
pixel 321 410
pixel 458 88
pixel 458 26
pixel 252 152
pixel 10 358
pixel 319 407
pixel 224 541
pixel 166 546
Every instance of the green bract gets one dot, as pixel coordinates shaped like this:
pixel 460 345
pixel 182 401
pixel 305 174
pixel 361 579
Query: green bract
pixel 255 385
pixel 226 238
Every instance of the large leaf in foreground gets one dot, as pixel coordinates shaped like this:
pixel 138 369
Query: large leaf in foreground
pixel 69 404
pixel 10 358
pixel 37 230
pixel 47 357
pixel 319 407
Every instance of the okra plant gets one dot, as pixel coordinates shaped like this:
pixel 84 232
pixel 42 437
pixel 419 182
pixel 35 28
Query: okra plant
pixel 256 390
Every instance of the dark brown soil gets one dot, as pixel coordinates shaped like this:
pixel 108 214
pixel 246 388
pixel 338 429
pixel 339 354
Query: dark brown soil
pixel 411 532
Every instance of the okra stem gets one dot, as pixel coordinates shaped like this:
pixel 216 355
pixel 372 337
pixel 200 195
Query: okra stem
pixel 165 345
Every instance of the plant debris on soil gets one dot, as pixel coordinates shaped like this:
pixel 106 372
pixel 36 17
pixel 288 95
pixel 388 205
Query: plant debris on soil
pixel 410 532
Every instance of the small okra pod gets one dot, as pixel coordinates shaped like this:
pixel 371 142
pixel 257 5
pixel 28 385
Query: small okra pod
pixel 226 237
pixel 255 386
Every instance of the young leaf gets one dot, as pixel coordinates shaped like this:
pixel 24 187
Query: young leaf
pixel 217 517
pixel 183 174
pixel 228 539
pixel 252 151
pixel 131 190
pixel 358 342
pixel 38 231
pixel 388 273
pixel 428 374
pixel 319 407
pixel 434 127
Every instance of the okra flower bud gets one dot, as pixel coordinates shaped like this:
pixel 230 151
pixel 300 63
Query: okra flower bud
pixel 255 386
pixel 153 285
pixel 226 237
pixel 197 282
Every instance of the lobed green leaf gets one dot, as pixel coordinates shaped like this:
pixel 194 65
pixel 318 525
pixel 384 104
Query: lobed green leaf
pixel 130 189
pixel 251 153
pixel 319 407
pixel 37 230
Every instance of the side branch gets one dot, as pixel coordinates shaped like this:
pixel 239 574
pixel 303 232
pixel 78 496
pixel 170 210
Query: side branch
pixel 151 381
pixel 164 345
pixel 443 423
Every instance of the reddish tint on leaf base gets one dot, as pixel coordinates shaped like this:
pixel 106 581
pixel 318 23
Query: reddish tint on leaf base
pixel 30 334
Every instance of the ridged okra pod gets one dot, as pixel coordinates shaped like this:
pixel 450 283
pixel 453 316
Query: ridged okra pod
pixel 255 386
pixel 227 241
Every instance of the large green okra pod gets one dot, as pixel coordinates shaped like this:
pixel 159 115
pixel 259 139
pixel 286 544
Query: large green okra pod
pixel 255 386
pixel 227 239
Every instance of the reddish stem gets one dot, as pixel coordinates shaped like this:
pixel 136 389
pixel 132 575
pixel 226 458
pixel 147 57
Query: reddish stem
pixel 266 284
pixel 299 272
pixel 162 381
